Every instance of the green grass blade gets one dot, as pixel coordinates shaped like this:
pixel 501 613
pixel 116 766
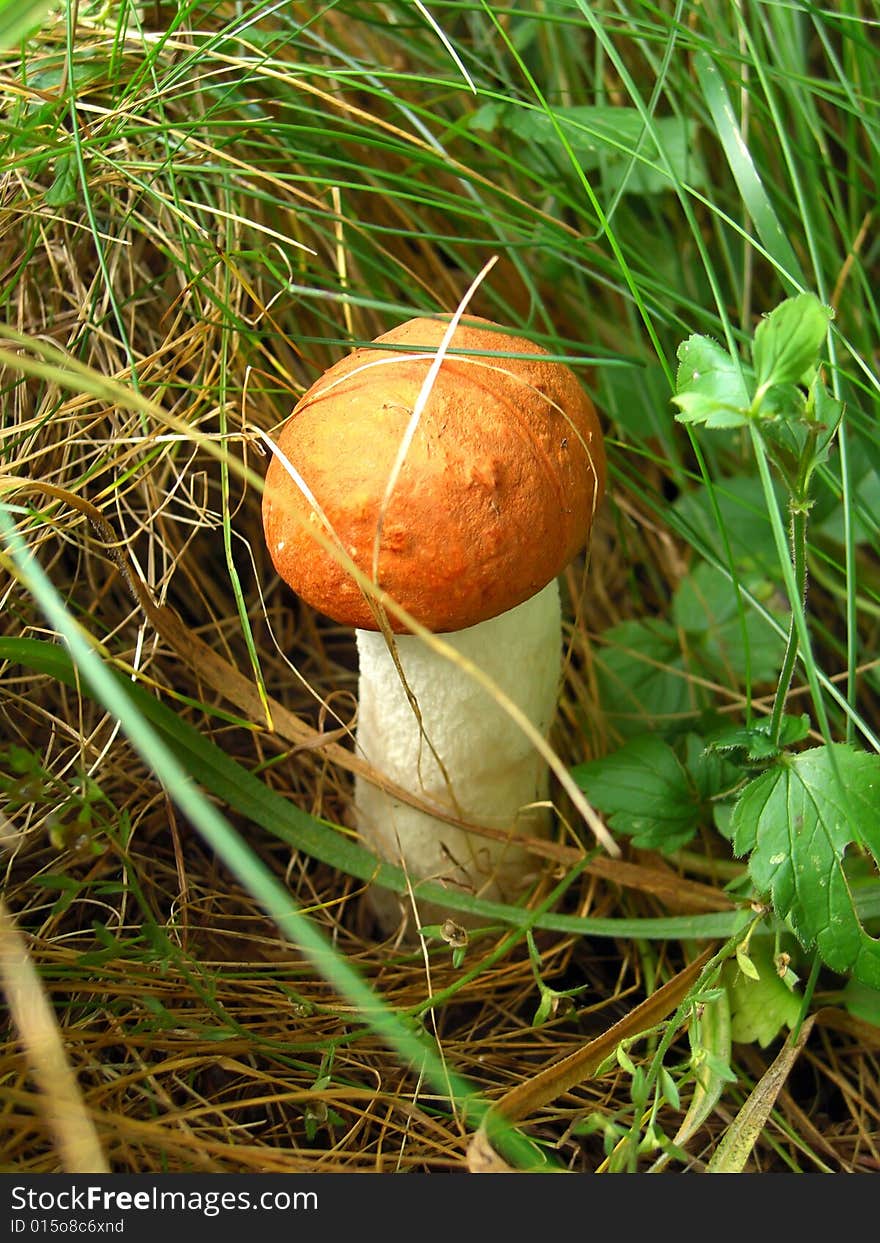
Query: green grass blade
pixel 20 18
pixel 757 201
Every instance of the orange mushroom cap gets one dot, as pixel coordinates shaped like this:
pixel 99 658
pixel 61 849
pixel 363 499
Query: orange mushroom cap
pixel 495 496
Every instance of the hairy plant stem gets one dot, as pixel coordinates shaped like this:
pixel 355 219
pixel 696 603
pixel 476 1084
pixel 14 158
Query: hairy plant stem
pixel 799 565
pixel 799 510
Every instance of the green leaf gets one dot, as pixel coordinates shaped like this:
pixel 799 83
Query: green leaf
pixel 788 341
pixel 709 1037
pixel 743 510
pixel 755 740
pixel 710 387
pixel 642 677
pixel 638 1087
pixel 714 778
pixel 864 495
pixel 745 964
pixel 543 1012
pixel 624 1060
pixel 644 790
pixel 762 1004
pixel 701 408
pixel 828 411
pixel 612 139
pixel 65 186
pixel 635 400
pixel 720 1069
pixel 644 171
pixel 796 821
pixel 705 607
pixel 862 1001
pixel 669 1088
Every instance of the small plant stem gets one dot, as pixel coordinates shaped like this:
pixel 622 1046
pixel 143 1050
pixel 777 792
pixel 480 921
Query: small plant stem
pixel 809 990
pixel 799 565
pixel 799 509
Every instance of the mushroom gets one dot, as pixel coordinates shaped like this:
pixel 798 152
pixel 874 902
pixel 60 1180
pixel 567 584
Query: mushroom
pixel 463 516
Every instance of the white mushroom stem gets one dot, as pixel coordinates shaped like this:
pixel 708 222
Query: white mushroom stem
pixel 493 773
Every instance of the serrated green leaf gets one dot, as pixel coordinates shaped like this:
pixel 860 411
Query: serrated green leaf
pixel 788 341
pixel 701 408
pixel 644 791
pixel 694 407
pixel 796 822
pixel 785 426
pixel 755 739
pixel 785 401
pixel 709 386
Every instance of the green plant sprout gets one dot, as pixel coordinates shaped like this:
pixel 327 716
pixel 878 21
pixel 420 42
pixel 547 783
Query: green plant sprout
pixel 553 1001
pixel 653 1084
pixel 792 812
pixel 79 817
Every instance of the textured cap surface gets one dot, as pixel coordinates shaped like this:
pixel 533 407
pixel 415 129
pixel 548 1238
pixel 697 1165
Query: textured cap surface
pixel 495 496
